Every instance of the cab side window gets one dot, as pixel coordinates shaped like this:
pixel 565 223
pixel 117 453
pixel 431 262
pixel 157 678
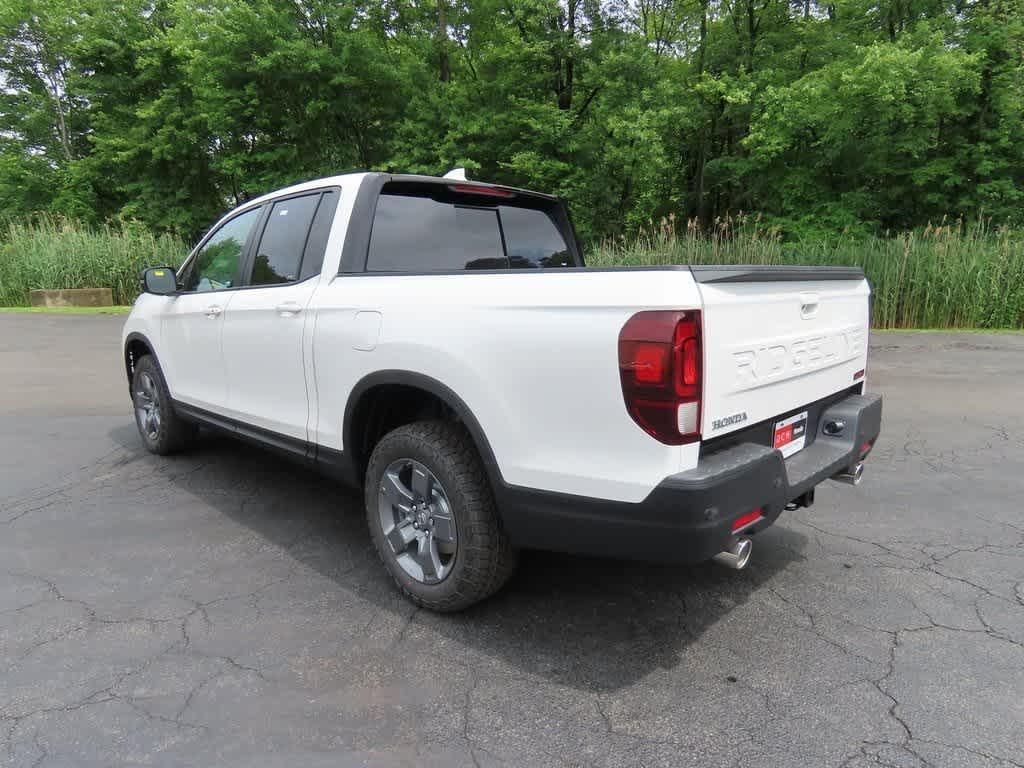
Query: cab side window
pixel 216 264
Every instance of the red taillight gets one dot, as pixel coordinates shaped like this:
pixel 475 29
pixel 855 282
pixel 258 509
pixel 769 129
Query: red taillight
pixel 744 520
pixel 660 368
pixel 650 361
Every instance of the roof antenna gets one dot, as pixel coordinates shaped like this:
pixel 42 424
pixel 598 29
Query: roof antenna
pixel 456 174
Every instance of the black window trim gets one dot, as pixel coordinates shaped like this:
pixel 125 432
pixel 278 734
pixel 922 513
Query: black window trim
pixel 501 237
pixel 324 193
pixel 360 227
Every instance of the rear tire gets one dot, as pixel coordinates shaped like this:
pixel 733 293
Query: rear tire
pixel 439 535
pixel 162 431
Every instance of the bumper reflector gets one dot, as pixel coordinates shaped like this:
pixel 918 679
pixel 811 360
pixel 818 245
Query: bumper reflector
pixel 688 415
pixel 744 520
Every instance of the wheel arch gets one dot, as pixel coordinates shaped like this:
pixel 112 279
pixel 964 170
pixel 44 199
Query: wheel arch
pixel 135 346
pixel 372 387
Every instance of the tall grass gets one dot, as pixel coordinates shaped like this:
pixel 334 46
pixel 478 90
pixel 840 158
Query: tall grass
pixel 950 276
pixel 58 253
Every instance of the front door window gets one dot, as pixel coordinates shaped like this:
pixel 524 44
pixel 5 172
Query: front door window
pixel 215 266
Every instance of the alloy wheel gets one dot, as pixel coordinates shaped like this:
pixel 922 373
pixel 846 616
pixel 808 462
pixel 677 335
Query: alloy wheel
pixel 147 406
pixel 417 521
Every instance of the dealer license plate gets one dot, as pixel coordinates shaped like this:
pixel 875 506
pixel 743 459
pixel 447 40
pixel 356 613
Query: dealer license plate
pixel 790 435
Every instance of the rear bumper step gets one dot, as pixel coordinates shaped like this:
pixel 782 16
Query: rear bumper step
pixel 688 517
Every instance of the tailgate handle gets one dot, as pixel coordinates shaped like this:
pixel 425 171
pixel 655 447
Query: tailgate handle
pixel 808 305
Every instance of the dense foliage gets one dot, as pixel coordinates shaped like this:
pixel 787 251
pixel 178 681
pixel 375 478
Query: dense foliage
pixel 863 115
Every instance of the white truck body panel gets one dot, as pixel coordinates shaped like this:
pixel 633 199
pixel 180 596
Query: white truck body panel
pixel 533 355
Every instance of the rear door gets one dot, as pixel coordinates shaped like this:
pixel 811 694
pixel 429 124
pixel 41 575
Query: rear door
pixel 191 326
pixel 267 329
pixel 776 339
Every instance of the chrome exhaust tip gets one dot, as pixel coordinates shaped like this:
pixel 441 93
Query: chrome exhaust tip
pixel 852 476
pixel 737 556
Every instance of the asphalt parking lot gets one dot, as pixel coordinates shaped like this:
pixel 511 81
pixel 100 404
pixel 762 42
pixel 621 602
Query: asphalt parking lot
pixel 224 609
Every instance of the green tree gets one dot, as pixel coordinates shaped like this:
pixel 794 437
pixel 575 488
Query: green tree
pixel 864 114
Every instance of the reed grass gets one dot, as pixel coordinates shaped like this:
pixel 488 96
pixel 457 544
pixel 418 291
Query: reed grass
pixel 50 252
pixel 947 276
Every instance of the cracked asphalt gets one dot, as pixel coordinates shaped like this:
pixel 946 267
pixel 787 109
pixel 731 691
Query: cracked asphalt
pixel 224 609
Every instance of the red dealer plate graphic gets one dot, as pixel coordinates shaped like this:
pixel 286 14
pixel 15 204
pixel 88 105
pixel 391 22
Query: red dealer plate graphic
pixel 790 435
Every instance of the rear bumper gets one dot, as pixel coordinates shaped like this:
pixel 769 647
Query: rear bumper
pixel 688 517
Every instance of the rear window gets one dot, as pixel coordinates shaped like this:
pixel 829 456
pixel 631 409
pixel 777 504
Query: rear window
pixel 431 229
pixel 533 239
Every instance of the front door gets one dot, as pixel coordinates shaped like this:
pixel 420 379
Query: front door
pixel 193 322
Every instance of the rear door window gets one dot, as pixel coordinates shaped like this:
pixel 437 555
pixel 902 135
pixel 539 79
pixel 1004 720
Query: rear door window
pixel 279 254
pixel 420 234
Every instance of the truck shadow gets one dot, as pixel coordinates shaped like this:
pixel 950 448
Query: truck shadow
pixel 591 624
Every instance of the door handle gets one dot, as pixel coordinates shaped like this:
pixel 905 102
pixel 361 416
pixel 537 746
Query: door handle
pixel 213 311
pixel 288 309
pixel 808 305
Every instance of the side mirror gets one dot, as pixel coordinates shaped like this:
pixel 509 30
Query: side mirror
pixel 159 280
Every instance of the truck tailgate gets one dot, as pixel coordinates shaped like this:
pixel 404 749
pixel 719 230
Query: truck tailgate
pixel 777 338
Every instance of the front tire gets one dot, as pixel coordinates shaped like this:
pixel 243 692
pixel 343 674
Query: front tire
pixel 162 431
pixel 432 517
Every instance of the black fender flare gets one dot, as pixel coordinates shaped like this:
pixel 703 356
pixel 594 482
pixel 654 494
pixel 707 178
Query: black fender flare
pixel 142 339
pixel 434 387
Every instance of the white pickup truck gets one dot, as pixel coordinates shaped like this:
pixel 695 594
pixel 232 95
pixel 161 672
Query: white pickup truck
pixel 441 344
